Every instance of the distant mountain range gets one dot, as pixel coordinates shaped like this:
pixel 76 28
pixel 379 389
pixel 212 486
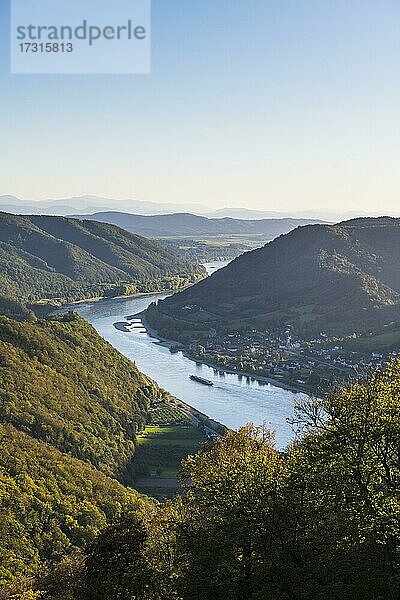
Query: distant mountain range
pixel 89 204
pixel 54 257
pixel 339 278
pixel 331 216
pixel 188 225
pixel 92 204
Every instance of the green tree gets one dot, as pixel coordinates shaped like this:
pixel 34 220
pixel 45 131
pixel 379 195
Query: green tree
pixel 233 486
pixel 116 566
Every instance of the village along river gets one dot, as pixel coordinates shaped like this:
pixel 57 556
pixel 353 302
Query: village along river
pixel 233 400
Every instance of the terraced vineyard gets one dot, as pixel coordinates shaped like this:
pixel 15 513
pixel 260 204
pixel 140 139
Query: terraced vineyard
pixel 167 412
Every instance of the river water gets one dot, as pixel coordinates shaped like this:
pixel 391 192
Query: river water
pixel 233 400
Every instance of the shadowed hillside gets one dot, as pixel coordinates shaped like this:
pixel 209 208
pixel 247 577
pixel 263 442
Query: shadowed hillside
pixel 55 257
pixel 341 278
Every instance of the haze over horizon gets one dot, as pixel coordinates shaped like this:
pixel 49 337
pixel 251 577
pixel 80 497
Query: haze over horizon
pixel 95 205
pixel 286 107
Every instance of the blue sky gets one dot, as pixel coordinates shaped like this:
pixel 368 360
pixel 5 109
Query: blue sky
pixel 269 104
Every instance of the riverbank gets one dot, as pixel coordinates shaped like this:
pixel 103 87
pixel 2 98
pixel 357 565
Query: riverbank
pixel 197 417
pixel 255 377
pixel 100 299
pixel 44 307
pixel 172 344
pixel 210 267
pixel 210 426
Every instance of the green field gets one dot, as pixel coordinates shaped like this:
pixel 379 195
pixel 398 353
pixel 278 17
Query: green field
pixel 182 436
pixel 167 440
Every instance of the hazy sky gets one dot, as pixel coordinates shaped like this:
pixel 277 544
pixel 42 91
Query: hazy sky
pixel 269 104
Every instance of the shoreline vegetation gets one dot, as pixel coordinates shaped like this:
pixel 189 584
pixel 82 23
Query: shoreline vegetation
pixel 83 434
pixel 65 305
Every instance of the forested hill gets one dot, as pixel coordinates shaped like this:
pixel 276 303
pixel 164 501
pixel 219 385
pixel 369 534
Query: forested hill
pixel 188 225
pixel 342 278
pixel 54 257
pixel 70 407
pixel 60 382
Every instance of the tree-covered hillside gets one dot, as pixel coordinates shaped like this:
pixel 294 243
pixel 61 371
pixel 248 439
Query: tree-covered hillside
pixel 340 278
pixel 50 505
pixel 61 383
pixel 54 257
pixel 70 409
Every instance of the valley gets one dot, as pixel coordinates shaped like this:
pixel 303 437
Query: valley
pixel 234 400
pixel 106 423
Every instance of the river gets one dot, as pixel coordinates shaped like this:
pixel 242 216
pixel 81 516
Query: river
pixel 233 400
